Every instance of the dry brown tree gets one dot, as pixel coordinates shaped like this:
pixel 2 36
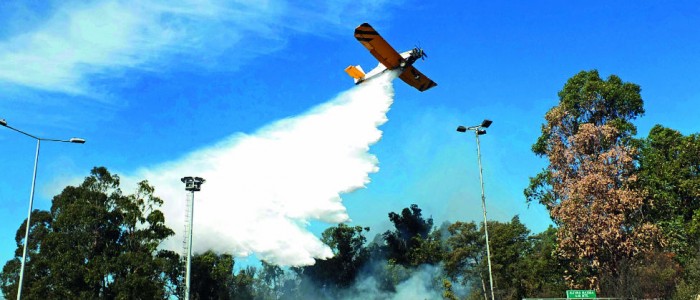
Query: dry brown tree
pixel 596 206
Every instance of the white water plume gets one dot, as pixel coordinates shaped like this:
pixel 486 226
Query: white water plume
pixel 262 189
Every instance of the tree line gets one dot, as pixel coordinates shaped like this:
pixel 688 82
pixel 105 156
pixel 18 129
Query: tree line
pixel 626 214
pixel 97 242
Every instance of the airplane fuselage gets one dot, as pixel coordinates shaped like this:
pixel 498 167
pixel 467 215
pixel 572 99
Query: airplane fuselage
pixel 408 58
pixel 389 59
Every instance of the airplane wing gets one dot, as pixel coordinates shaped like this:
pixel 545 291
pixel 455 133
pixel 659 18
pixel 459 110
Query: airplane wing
pixel 416 79
pixel 376 45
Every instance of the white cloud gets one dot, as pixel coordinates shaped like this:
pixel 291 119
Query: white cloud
pixel 76 42
pixel 82 42
pixel 262 189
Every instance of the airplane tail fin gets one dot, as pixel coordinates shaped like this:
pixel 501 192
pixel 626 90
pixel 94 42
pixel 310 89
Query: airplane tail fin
pixel 355 72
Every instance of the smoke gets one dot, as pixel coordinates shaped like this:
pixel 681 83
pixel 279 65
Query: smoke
pixel 425 282
pixel 263 189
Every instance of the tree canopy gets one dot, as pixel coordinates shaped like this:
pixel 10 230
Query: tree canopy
pixel 589 186
pixel 669 173
pixel 96 242
pixel 411 229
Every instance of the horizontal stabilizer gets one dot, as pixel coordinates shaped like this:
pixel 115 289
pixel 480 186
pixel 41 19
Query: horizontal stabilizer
pixel 355 72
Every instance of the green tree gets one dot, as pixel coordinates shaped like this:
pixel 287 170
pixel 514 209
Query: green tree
pixel 586 98
pixel 95 242
pixel 509 243
pixel 651 276
pixel 544 276
pixel 465 257
pixel 669 171
pixel 211 276
pixel 35 269
pixel 350 255
pixel 272 280
pixel 411 230
pixel 429 250
pixel 244 283
pixel 447 292
pixel 689 286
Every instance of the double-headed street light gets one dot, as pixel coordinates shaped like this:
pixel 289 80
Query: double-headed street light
pixel 479 130
pixel 31 194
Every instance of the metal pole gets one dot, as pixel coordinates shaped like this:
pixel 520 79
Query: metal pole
pixel 29 216
pixel 483 205
pixel 189 248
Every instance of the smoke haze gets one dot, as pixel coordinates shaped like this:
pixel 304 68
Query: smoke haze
pixel 262 189
pixel 425 282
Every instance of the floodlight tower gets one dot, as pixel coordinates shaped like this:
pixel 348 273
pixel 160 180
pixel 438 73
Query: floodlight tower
pixel 192 184
pixel 479 130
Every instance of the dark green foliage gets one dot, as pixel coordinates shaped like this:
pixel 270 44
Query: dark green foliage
pixel 211 276
pixel 669 171
pixel 464 260
pixel 586 98
pixel 244 284
pixel 689 286
pixel 411 231
pixel 543 271
pixel 511 250
pixel 35 269
pixel 272 281
pixel 429 250
pixel 350 254
pixel 509 244
pixel 448 293
pixel 390 259
pixel 95 243
pixel 653 276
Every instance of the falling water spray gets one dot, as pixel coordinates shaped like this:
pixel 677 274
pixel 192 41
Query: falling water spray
pixel 264 188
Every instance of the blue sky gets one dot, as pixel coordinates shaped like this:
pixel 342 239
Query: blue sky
pixel 148 83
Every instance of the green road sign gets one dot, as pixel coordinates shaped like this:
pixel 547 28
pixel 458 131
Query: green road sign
pixel 580 294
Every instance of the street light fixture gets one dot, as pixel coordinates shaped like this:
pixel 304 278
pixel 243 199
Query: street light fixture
pixel 480 130
pixel 31 195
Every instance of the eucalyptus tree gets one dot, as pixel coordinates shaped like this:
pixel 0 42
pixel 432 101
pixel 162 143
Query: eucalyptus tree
pixel 590 185
pixel 96 242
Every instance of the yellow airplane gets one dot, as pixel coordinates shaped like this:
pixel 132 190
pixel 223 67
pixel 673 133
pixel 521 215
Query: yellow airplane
pixel 389 59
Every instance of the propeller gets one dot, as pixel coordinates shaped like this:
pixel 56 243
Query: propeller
pixel 418 52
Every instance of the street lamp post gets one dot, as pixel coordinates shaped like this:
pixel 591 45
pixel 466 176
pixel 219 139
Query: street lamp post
pixel 192 184
pixel 479 130
pixel 31 195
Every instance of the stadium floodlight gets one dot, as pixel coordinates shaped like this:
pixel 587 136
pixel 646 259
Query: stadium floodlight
pixel 479 130
pixel 192 184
